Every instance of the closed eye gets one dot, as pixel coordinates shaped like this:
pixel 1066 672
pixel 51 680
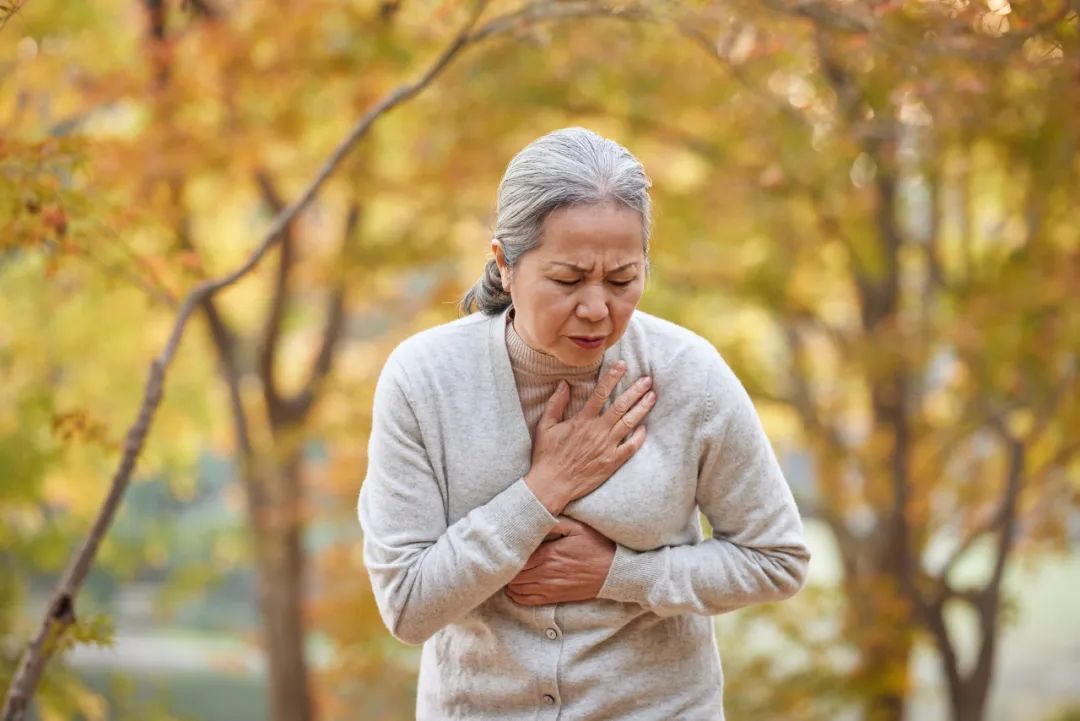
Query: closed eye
pixel 620 283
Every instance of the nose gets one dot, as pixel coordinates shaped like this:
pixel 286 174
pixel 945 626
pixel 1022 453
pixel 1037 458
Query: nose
pixel 592 304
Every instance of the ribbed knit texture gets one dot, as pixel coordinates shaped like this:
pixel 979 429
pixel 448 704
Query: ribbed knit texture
pixel 537 374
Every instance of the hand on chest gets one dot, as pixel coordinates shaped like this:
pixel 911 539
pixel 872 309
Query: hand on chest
pixel 646 503
pixel 649 501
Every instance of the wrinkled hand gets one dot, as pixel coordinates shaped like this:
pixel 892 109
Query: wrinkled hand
pixel 572 566
pixel 571 458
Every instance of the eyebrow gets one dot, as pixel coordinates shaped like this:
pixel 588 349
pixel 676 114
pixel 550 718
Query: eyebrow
pixel 585 270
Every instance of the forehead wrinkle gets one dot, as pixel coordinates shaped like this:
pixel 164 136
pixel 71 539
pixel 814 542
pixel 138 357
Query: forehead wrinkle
pixel 578 268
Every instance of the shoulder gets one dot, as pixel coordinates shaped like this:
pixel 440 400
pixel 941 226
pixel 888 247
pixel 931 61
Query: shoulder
pixel 683 358
pixel 460 342
pixel 672 347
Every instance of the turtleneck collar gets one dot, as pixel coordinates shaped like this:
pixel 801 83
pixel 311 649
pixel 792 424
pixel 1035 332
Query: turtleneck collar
pixel 525 359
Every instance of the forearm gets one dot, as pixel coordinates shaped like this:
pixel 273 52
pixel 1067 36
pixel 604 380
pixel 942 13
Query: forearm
pixel 421 587
pixel 710 577
pixel 757 552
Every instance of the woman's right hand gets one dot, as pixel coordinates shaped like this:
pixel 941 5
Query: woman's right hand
pixel 571 458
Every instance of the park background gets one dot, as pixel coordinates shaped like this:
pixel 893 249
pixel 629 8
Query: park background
pixel 868 207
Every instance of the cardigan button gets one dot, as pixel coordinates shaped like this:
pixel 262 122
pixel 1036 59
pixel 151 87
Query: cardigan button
pixel 549 699
pixel 551 633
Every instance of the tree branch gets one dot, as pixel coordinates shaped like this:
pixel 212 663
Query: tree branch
pixel 271 334
pixel 10 10
pixel 988 603
pixel 823 16
pixel 715 52
pixel 543 11
pixel 60 614
pixel 157 293
pixel 933 615
pixel 297 407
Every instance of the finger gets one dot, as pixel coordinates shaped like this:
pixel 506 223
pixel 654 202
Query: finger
pixel 567 526
pixel 631 445
pixel 629 399
pixel 603 389
pixel 561 530
pixel 540 584
pixel 626 401
pixel 555 406
pixel 630 420
pixel 530 588
pixel 527 599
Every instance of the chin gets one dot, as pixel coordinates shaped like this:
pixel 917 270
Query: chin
pixel 581 356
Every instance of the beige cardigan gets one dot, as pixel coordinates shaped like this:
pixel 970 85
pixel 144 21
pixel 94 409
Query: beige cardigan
pixel 448 521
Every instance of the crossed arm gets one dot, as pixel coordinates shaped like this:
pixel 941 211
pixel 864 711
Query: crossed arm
pixel 426 574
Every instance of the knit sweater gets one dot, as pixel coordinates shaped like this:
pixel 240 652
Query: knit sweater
pixel 537 374
pixel 448 521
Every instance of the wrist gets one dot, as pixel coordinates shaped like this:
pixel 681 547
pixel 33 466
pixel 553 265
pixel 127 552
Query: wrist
pixel 547 493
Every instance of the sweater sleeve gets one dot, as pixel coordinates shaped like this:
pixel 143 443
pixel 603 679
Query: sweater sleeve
pixel 424 573
pixel 757 552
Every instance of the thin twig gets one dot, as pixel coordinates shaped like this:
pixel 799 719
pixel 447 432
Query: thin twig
pixel 61 613
pixel 10 10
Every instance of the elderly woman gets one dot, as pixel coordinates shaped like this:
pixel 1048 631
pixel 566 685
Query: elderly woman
pixel 520 521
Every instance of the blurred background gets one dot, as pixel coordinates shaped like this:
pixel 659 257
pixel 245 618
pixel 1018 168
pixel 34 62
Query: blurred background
pixel 869 207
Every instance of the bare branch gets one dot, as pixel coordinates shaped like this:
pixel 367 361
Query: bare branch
pixel 157 293
pixel 831 228
pixel 834 451
pixel 204 8
pixel 825 17
pixel 933 615
pixel 803 398
pixel 656 126
pixel 993 521
pixel 711 48
pixel 988 602
pixel 935 269
pixel 10 10
pixel 278 298
pixel 225 345
pixel 988 523
pixel 1008 513
pixel 60 615
pixel 297 407
pixel 952 36
pixel 541 11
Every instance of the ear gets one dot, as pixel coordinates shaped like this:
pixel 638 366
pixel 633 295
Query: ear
pixel 500 260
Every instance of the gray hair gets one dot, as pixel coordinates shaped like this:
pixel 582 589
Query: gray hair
pixel 571 166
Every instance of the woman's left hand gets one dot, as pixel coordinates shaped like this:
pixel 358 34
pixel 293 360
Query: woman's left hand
pixel 570 567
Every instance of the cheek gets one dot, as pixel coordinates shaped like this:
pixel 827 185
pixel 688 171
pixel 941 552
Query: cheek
pixel 624 306
pixel 550 311
pixel 621 310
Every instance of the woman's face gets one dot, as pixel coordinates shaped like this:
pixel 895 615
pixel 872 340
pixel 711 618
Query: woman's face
pixel 575 292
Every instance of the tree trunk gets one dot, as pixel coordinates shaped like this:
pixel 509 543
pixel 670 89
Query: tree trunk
pixel 277 541
pixel 970 705
pixel 885 645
